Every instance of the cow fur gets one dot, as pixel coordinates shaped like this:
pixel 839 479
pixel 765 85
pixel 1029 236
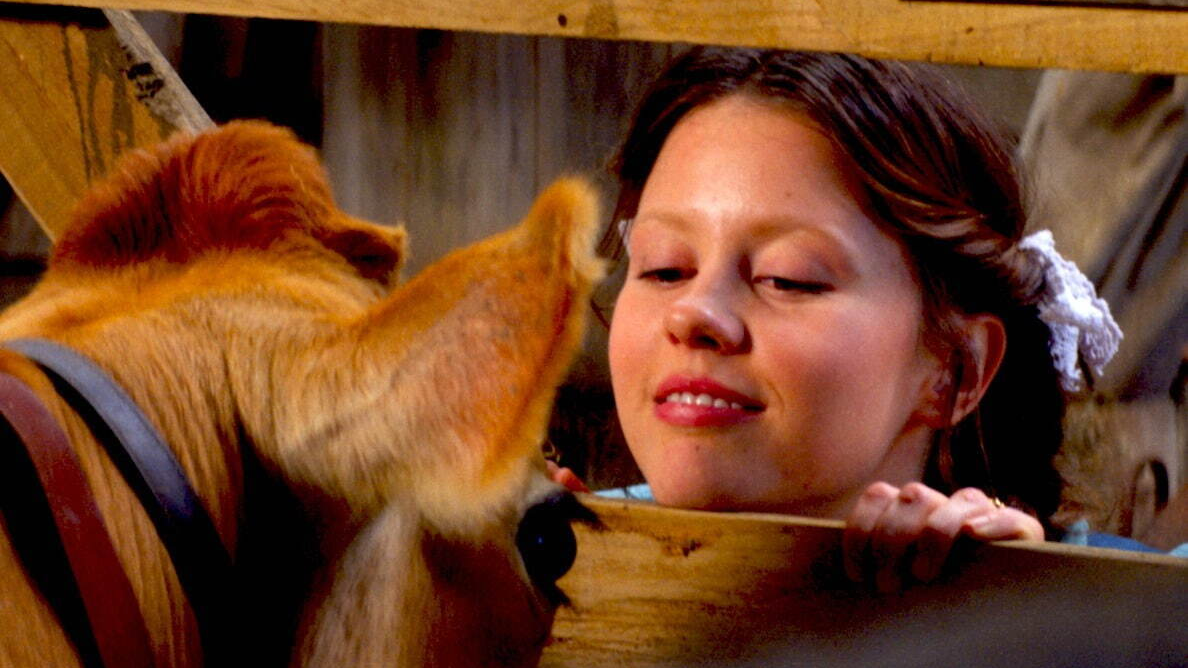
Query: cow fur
pixel 214 278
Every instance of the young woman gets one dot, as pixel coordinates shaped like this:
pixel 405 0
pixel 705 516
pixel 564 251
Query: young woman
pixel 830 309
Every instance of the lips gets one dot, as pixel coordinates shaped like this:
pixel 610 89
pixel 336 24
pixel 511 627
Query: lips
pixel 702 402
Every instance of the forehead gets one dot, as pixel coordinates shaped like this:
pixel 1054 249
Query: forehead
pixel 752 156
pixel 743 164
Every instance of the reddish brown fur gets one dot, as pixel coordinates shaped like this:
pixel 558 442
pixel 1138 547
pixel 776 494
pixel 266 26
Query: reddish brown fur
pixel 247 187
pixel 216 281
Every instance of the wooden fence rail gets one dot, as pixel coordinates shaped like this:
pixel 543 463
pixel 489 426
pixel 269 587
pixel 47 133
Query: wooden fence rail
pixel 78 88
pixel 662 587
pixel 1117 38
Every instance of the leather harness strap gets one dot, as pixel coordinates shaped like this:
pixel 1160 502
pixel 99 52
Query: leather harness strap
pixel 116 625
pixel 200 559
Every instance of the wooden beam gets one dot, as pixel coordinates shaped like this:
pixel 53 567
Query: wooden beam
pixel 1101 38
pixel 77 88
pixel 662 587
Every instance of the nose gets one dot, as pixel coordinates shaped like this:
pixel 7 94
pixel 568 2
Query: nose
pixel 706 319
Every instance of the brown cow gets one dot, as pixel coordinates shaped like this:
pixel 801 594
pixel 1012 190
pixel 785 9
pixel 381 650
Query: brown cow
pixel 262 331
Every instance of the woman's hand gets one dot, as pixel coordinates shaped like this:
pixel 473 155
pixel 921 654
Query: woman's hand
pixel 565 477
pixel 893 532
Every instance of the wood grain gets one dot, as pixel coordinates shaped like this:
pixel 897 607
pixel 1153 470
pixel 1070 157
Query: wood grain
pixel 662 587
pixel 1104 38
pixel 454 134
pixel 77 88
pixel 1149 4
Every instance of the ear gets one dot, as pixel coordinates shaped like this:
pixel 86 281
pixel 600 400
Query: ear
pixel 377 252
pixel 985 346
pixel 957 384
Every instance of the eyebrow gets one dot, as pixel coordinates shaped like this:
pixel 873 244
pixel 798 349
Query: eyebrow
pixel 662 218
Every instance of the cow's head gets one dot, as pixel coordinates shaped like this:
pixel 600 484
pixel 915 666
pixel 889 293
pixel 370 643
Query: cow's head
pixel 214 278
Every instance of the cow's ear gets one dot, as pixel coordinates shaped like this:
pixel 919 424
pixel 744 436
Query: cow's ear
pixel 377 252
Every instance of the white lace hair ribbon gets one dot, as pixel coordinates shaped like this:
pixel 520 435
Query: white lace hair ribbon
pixel 1078 318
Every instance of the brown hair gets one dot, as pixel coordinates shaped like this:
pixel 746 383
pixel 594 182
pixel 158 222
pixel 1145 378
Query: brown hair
pixel 942 180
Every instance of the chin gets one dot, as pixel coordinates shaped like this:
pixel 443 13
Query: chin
pixel 675 493
pixel 720 495
pixel 695 496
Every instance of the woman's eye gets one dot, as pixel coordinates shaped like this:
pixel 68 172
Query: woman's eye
pixel 664 275
pixel 791 285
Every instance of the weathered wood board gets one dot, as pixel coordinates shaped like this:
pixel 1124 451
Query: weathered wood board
pixel 1105 38
pixel 78 88
pixel 454 134
pixel 662 587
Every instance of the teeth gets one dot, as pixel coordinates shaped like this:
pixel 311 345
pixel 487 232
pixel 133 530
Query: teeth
pixel 691 399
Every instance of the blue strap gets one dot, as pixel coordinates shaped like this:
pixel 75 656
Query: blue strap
pixel 199 557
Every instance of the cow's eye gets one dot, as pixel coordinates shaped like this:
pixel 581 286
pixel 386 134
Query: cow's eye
pixel 546 541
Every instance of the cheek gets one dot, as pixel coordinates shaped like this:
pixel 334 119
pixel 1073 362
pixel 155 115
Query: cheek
pixel 840 360
pixel 626 339
pixel 812 348
pixel 616 348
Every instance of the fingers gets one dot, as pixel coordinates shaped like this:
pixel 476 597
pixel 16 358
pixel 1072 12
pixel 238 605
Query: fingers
pixel 892 533
pixel 565 477
pixel 1004 524
pixel 894 542
pixel 861 524
pixel 942 528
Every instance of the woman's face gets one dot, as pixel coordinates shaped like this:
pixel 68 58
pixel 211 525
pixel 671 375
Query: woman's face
pixel 766 348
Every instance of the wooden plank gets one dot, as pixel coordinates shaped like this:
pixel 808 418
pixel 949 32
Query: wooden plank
pixel 1104 38
pixel 429 129
pixel 77 88
pixel 663 587
pixel 454 134
pixel 1148 4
